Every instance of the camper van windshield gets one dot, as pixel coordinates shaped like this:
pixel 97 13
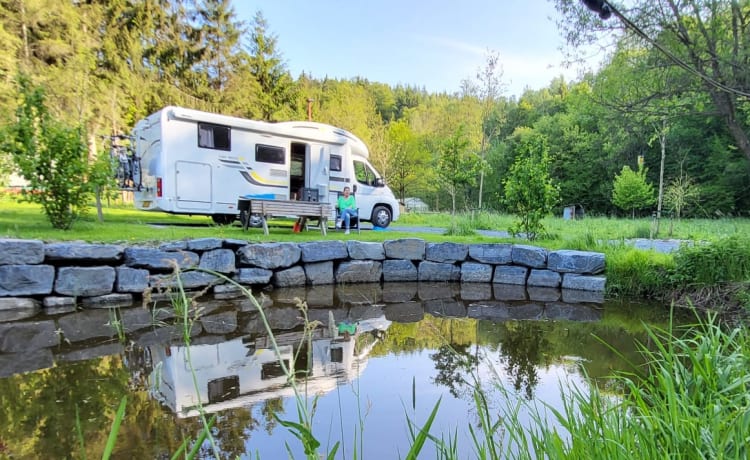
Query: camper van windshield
pixel 364 173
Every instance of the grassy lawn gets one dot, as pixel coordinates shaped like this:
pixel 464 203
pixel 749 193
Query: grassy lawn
pixel 124 224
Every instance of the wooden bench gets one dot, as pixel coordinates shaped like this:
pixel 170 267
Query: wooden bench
pixel 269 208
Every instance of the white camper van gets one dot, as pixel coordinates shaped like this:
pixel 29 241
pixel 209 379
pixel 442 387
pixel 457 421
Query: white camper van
pixel 194 162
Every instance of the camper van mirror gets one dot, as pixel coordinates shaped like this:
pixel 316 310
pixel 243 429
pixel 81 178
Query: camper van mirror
pixel 378 182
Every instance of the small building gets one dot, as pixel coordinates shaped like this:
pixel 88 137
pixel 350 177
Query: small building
pixel 414 204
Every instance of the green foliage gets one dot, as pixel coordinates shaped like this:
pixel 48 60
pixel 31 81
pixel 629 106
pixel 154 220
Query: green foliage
pixel 529 191
pixel 457 167
pixel 50 156
pixel 631 191
pixel 690 402
pixel 680 194
pixel 637 273
pixel 707 264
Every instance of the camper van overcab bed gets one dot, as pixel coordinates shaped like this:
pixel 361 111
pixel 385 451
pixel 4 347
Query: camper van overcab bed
pixel 194 162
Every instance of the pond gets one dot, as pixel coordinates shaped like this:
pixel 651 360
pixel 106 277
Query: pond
pixel 380 356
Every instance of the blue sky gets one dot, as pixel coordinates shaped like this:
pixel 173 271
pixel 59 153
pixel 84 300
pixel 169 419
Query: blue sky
pixel 431 44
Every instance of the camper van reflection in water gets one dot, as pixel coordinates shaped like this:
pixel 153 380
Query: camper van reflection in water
pixel 247 370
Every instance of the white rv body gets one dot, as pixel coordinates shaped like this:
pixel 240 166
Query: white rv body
pixel 194 162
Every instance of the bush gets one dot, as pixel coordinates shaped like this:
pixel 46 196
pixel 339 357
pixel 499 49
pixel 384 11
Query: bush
pixel 726 260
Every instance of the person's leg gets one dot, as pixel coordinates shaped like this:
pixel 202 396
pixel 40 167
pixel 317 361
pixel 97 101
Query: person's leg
pixel 347 219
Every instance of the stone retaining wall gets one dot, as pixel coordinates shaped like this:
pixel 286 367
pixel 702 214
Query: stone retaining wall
pixel 61 277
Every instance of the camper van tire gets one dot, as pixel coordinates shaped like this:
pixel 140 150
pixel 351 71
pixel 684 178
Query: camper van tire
pixel 381 216
pixel 223 219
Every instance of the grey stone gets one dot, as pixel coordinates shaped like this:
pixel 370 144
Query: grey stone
pixel 407 312
pixel 501 311
pixel 544 278
pixel 84 281
pixel 405 248
pixel 156 260
pixel 279 318
pixel 581 262
pixel 320 296
pixel 234 244
pixel 23 336
pixel 134 319
pixel 21 252
pixel 24 280
pixel 96 351
pixel 134 280
pixel 578 296
pixel 116 300
pixel 584 282
pixel 26 361
pixel 362 294
pixel 446 252
pixel 17 308
pixel 432 290
pixel 188 280
pixel 365 312
pixel 174 246
pixel 365 250
pixel 399 270
pixel 359 271
pixel 436 271
pixel 529 256
pixel 399 292
pixel 288 295
pixel 167 334
pixel 270 255
pixel 220 323
pixel 55 305
pixel 506 292
pixel 510 274
pixel 294 276
pixel 445 308
pixel 543 294
pixel 491 253
pixel 253 276
pixel 218 260
pixel 571 312
pixel 88 324
pixel 204 244
pixel 227 291
pixel 476 291
pixel 320 251
pixel 472 272
pixel 83 252
pixel 319 273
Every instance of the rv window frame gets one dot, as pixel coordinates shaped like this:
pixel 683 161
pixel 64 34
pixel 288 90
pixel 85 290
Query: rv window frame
pixel 215 129
pixel 261 149
pixel 336 163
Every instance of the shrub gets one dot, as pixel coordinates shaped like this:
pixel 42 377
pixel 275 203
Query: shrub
pixel 723 261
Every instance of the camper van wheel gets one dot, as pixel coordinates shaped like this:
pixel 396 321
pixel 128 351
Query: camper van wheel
pixel 223 219
pixel 381 216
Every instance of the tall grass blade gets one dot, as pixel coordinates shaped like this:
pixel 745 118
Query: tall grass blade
pixel 115 429
pixel 422 436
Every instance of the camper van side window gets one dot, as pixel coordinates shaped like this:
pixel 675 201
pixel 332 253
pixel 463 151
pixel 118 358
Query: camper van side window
pixel 214 137
pixel 335 163
pixel 270 154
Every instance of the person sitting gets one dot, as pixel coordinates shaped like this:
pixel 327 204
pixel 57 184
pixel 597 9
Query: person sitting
pixel 348 208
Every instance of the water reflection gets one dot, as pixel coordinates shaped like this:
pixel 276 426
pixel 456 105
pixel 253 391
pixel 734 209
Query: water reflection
pixel 247 370
pixel 412 341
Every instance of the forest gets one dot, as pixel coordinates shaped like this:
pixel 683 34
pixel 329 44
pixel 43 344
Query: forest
pixel 671 102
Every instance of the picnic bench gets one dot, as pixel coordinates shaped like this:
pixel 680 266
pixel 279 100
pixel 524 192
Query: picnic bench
pixel 269 208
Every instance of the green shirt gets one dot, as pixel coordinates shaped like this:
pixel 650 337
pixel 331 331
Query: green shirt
pixel 346 203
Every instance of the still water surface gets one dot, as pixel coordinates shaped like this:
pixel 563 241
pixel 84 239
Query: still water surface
pixel 402 358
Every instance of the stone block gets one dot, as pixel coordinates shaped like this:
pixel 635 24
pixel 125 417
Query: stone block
pixel 510 274
pixel 529 256
pixel 543 278
pixel 584 282
pixel 156 260
pixel 319 273
pixel 446 252
pixel 320 251
pixel 436 271
pixel 399 270
pixel 360 250
pixel 581 262
pixel 17 308
pixel 26 280
pixel 21 252
pixel 83 253
pixel 405 248
pixel 218 260
pixel 84 281
pixel 472 272
pixel 269 255
pixel 294 276
pixel 359 271
pixel 491 253
pixel 20 336
pixel 134 280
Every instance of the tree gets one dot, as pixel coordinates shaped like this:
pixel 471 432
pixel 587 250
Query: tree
pixel 706 40
pixel 408 159
pixel 681 193
pixel 278 91
pixel 631 191
pixel 529 191
pixel 457 166
pixel 50 156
